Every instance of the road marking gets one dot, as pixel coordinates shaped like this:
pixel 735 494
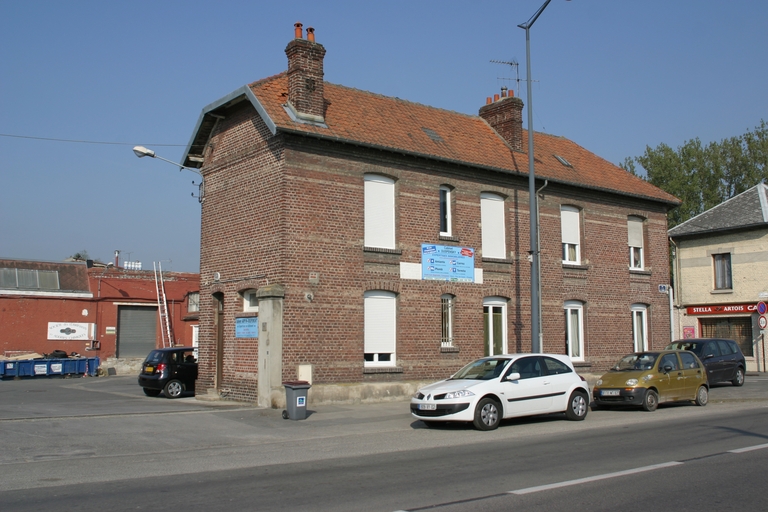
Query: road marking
pixel 749 448
pixel 594 478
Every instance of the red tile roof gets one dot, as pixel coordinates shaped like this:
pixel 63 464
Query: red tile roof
pixel 369 119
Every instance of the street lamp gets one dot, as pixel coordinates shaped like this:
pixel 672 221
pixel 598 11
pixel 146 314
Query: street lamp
pixel 533 207
pixel 141 151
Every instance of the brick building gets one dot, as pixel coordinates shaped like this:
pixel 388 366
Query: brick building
pixel 365 242
pixel 104 311
pixel 718 258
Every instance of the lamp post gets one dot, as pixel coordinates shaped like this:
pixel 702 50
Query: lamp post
pixel 533 207
pixel 141 151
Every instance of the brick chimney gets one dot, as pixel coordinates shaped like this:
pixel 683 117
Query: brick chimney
pixel 305 76
pixel 505 115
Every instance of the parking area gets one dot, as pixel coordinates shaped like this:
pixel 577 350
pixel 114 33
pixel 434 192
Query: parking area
pixel 54 397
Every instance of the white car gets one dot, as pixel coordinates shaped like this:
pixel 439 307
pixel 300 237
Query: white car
pixel 504 386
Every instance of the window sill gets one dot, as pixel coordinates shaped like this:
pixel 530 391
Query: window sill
pixel 640 272
pixel 382 369
pixel 191 317
pixel 448 238
pixel 382 250
pixel 574 266
pixel 497 260
pixel 723 291
pixel 449 350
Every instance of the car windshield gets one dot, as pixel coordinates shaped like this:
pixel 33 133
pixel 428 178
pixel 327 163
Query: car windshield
pixel 640 361
pixel 482 369
pixel 692 346
pixel 154 357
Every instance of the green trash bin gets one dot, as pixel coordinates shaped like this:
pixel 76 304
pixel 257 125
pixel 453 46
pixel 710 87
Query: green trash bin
pixel 296 399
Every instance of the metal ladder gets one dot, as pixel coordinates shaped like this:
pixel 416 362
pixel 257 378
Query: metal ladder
pixel 162 306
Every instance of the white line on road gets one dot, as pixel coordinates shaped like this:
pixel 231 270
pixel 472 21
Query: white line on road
pixel 749 448
pixel 594 478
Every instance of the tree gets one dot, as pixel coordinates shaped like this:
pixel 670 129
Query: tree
pixel 705 176
pixel 80 256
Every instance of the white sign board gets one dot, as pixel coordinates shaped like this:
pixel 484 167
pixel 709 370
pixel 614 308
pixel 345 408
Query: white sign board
pixel 71 331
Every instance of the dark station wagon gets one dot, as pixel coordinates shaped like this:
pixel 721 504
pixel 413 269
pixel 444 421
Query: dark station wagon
pixel 171 371
pixel 722 358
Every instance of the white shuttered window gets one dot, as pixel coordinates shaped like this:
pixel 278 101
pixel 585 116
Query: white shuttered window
pixel 571 234
pixel 492 219
pixel 379 212
pixel 380 327
pixel 635 241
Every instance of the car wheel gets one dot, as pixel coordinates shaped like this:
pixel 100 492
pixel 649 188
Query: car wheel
pixel 738 379
pixel 487 414
pixel 578 406
pixel 173 389
pixel 151 392
pixel 650 401
pixel 702 396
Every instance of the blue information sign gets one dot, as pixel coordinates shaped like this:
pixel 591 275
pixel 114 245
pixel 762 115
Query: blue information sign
pixel 447 263
pixel 247 327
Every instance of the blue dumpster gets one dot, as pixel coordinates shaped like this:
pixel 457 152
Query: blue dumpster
pixel 46 367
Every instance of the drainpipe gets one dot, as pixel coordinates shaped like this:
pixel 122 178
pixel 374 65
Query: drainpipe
pixel 538 245
pixel 678 284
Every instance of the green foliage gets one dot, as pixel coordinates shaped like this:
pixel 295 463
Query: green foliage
pixel 705 176
pixel 80 255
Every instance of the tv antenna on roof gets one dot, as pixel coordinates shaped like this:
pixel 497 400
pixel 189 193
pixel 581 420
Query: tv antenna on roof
pixel 512 63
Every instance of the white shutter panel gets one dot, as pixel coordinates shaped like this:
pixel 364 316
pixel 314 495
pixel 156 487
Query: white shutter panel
pixel 635 232
pixel 492 219
pixel 379 212
pixel 569 225
pixel 379 322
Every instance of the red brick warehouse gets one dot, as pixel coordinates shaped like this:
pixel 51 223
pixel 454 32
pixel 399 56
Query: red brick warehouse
pixel 366 242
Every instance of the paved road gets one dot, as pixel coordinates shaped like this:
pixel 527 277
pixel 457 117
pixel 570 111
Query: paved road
pixel 100 443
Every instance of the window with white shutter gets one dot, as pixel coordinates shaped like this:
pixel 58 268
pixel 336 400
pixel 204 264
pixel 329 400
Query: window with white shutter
pixel 571 234
pixel 380 327
pixel 635 241
pixel 492 219
pixel 379 212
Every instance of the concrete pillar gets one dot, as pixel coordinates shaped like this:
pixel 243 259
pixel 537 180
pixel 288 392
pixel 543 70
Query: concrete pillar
pixel 270 386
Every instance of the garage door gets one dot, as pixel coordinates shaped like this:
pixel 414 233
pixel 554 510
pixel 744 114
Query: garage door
pixel 136 330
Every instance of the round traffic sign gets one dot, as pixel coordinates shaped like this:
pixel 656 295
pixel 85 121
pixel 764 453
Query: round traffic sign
pixel 762 307
pixel 762 322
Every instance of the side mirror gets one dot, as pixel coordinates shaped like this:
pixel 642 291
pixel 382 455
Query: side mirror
pixel 513 376
pixel 667 368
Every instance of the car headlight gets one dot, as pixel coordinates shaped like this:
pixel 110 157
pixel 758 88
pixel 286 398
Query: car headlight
pixel 631 382
pixel 459 394
pixel 599 382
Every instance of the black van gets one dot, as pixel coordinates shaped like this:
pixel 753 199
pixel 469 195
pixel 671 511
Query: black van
pixel 170 370
pixel 722 358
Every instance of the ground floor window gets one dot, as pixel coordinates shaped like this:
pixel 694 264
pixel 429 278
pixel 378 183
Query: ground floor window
pixel 738 329
pixel 574 329
pixel 380 328
pixel 640 327
pixel 448 301
pixel 495 325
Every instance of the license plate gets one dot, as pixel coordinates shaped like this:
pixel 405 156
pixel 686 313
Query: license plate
pixel 427 407
pixel 149 369
pixel 609 392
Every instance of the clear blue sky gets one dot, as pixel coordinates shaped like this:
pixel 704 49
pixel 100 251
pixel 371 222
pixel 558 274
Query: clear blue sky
pixel 614 76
